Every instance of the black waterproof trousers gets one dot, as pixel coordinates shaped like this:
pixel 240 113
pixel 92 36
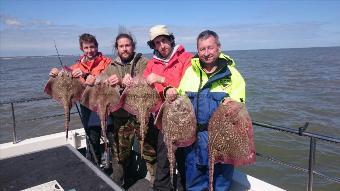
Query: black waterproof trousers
pixel 162 179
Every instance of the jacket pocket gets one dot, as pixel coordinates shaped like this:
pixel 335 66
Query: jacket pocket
pixel 215 101
pixel 218 96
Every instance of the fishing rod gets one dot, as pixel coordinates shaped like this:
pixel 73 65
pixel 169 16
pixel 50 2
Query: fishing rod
pixel 61 63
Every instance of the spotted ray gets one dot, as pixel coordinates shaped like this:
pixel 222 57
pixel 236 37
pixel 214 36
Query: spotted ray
pixel 230 137
pixel 102 99
pixel 141 99
pixel 178 124
pixel 66 90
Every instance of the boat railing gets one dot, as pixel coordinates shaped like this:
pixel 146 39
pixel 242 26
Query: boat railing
pixel 312 147
pixel 25 100
pixel 301 131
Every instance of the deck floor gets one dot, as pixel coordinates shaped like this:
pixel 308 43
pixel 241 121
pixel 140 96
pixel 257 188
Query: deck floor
pixel 62 164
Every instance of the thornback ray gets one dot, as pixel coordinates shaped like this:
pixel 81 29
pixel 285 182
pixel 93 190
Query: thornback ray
pixel 66 90
pixel 141 99
pixel 102 99
pixel 178 124
pixel 230 137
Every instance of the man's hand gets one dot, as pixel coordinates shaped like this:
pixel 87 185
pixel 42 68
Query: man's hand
pixel 54 72
pixel 77 73
pixel 113 80
pixel 127 80
pixel 90 80
pixel 171 94
pixel 154 78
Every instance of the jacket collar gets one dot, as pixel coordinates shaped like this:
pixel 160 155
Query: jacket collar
pixel 196 64
pixel 222 73
pixel 99 56
pixel 178 49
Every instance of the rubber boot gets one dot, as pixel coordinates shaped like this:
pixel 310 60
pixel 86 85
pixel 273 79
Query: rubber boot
pixel 152 172
pixel 117 173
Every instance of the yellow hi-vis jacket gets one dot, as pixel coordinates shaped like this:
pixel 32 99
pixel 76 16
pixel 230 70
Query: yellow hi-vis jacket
pixel 206 93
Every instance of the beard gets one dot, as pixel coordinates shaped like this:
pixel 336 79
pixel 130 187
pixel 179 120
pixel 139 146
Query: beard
pixel 126 58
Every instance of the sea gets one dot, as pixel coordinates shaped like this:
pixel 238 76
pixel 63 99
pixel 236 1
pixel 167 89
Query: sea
pixel 285 87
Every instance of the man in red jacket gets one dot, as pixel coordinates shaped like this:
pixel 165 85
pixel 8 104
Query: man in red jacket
pixel 90 65
pixel 166 69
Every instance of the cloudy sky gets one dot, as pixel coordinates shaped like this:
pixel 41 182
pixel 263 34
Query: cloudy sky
pixel 29 27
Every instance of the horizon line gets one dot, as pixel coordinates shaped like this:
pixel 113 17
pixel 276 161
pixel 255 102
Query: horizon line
pixel 55 55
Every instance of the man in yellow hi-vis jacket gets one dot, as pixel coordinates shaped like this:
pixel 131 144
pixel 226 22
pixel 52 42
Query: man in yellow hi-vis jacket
pixel 210 79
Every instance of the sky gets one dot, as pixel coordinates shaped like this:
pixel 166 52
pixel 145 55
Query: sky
pixel 30 27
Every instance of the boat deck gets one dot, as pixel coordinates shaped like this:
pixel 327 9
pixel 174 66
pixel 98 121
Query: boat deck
pixel 63 164
pixel 46 159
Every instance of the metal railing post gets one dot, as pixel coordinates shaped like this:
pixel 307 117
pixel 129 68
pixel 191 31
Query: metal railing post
pixel 311 163
pixel 14 131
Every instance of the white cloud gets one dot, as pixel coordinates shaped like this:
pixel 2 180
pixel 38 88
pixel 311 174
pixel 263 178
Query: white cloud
pixel 38 40
pixel 10 21
pixel 13 22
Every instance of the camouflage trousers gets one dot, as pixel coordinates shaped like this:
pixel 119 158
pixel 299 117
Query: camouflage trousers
pixel 125 131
